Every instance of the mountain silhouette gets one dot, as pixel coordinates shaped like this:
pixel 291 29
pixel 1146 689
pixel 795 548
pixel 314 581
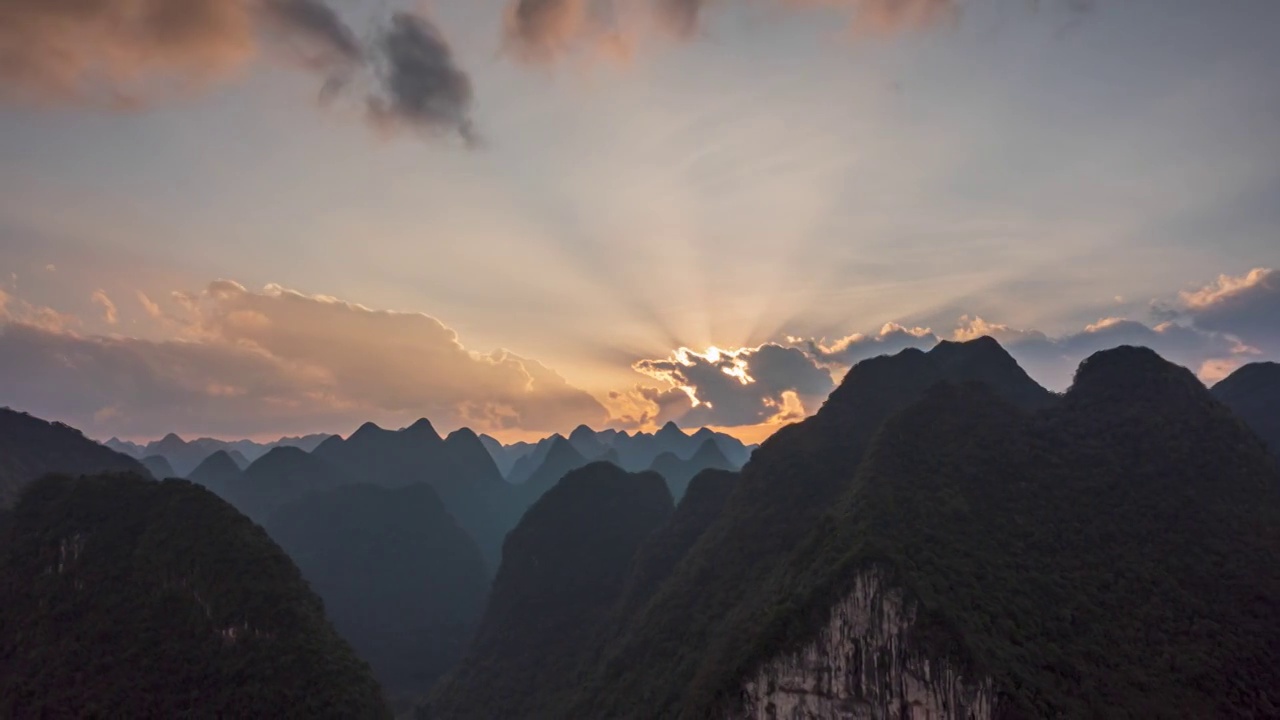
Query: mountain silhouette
pixel 126 597
pixel 402 581
pixel 281 476
pixel 1253 393
pixel 792 479
pixel 561 458
pixel 1064 554
pixel 219 472
pixel 185 455
pixel 679 472
pixel 700 507
pixel 584 440
pixel 159 468
pixel 31 448
pixel 460 470
pixel 563 568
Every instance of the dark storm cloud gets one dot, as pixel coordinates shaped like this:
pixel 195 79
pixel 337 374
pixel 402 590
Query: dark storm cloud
pixel 421 85
pixel 744 387
pixel 115 53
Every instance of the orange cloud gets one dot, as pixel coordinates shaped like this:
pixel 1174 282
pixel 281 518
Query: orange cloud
pixel 245 362
pixel 115 52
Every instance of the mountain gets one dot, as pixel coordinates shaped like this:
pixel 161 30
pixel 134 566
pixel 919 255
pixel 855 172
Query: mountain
pixel 791 480
pixel 584 440
pixel 663 550
pixel 459 469
pixel 31 448
pixel 403 583
pixel 243 462
pixel 1063 563
pixel 118 602
pixel 159 468
pixel 563 568
pixel 219 472
pixel 124 447
pixel 631 452
pixel 528 463
pixel 505 456
pixel 560 459
pixel 1253 393
pixel 679 472
pixel 184 456
pixel 945 540
pixel 281 476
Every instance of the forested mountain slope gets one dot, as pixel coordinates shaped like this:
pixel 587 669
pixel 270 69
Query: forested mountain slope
pixel 31 448
pixel 402 582
pixel 124 597
pixel 563 569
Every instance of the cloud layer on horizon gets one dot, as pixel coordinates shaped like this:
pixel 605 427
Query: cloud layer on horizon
pixel 1212 330
pixel 242 363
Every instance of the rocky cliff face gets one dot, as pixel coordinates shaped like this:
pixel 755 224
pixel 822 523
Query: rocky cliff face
pixel 860 666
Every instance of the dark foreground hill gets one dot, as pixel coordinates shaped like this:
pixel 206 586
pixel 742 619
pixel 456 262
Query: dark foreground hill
pixel 717 590
pixel 1112 557
pixel 124 597
pixel 31 448
pixel 403 583
pixel 563 569
pixel 1253 393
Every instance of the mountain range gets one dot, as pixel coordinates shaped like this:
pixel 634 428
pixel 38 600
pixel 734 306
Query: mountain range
pixel 944 537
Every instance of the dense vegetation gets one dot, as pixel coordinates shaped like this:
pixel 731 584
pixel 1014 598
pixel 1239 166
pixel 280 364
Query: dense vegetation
pixel 1253 393
pixel 31 448
pixel 1112 553
pixel 1114 556
pixel 564 567
pixel 124 597
pixel 402 582
pixel 663 551
pixel 674 654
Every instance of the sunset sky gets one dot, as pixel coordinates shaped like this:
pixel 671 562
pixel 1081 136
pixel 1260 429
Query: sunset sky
pixel 255 218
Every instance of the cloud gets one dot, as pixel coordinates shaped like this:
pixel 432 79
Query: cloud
pixel 883 18
pixel 541 30
pixel 732 388
pixel 114 52
pixel 847 351
pixel 422 86
pixel 1053 361
pixel 124 53
pixel 681 18
pixel 277 360
pixel 1245 306
pixel 149 306
pixel 109 313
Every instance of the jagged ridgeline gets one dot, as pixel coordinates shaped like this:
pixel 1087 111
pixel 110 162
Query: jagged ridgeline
pixel 124 597
pixel 944 539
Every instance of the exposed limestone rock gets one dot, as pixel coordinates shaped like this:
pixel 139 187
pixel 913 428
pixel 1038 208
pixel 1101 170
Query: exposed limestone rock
pixel 860 666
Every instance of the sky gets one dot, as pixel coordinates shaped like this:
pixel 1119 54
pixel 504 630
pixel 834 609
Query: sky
pixel 254 218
